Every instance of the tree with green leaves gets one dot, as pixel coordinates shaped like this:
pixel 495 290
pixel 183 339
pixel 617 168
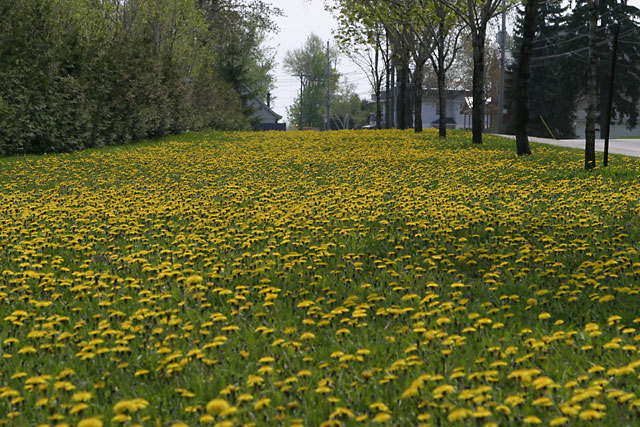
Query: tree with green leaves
pixel 361 36
pixel 357 21
pixel 348 110
pixel 237 30
pixel 438 33
pixel 308 64
pixel 476 14
pixel 77 74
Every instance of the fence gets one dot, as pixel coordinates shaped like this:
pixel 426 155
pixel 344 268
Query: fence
pixel 272 126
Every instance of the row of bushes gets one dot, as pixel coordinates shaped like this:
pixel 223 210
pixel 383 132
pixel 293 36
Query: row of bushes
pixel 75 75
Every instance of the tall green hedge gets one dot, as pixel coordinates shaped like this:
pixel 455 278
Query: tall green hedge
pixel 79 74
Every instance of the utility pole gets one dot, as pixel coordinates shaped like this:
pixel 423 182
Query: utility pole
pixel 328 72
pixel 503 48
pixel 301 98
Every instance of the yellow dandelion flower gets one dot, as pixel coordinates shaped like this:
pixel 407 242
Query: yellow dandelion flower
pixel 253 380
pixel 542 401
pixel 503 409
pixel 442 390
pixel 217 406
pixel 81 396
pixel 261 404
pixel 307 336
pixel 341 412
pixel 78 408
pixel 458 414
pixel 121 418
pixel 131 406
pixel 206 419
pixel 591 414
pixel 90 422
pixel 481 413
pixel 244 397
pixel 410 392
pixel 382 417
pixel 379 406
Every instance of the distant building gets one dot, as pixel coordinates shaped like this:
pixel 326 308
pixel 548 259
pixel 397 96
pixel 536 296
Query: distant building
pixel 491 109
pixel 458 109
pixel 616 130
pixel 260 113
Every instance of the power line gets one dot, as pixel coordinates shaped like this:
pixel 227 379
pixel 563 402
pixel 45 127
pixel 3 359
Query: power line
pixel 582 49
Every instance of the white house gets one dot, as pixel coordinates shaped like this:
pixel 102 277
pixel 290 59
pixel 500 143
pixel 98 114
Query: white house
pixel 455 102
pixel 458 105
pixel 616 130
pixel 455 108
pixel 260 112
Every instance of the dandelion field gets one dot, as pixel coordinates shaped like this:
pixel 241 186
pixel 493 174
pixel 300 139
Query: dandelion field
pixel 339 278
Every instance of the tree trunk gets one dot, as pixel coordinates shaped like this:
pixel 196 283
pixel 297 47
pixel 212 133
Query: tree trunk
pixel 590 132
pixel 442 101
pixel 417 105
pixel 408 108
pixel 522 78
pixel 402 98
pixel 388 111
pixel 441 71
pixel 378 110
pixel 477 112
pixel 378 82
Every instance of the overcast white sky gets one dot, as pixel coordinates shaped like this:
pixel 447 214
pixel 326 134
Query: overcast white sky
pixel 303 17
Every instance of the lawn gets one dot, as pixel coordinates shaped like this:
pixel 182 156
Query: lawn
pixel 307 278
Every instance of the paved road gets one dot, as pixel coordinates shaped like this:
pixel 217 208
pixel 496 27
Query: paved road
pixel 627 147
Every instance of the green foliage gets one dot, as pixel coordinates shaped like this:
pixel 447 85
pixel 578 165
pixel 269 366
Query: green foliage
pixel 348 110
pixel 309 61
pixel 77 74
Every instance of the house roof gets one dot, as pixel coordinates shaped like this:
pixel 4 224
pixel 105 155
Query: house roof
pixel 245 90
pixel 467 106
pixel 264 106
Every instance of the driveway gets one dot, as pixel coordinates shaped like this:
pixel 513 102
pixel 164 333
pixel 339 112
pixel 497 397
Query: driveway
pixel 627 147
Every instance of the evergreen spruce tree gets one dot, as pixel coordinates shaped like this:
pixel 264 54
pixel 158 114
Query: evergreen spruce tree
pixel 552 92
pixel 627 82
pixel 627 88
pixel 558 78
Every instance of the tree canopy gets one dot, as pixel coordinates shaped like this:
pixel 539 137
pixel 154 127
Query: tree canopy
pixel 558 78
pixel 77 74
